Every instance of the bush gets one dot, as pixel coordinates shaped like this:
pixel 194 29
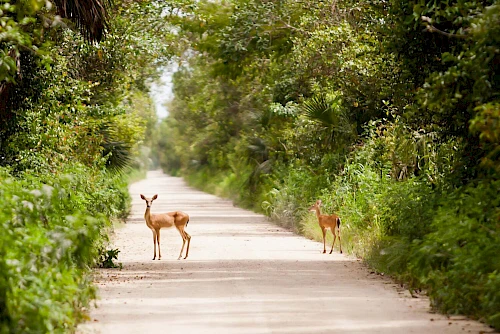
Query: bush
pixel 107 259
pixel 52 229
pixel 293 189
pixel 458 260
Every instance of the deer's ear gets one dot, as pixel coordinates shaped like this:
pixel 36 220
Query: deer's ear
pixel 319 202
pixel 155 197
pixel 142 196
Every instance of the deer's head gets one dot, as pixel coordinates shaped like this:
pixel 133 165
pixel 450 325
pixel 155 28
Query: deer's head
pixel 315 205
pixel 148 200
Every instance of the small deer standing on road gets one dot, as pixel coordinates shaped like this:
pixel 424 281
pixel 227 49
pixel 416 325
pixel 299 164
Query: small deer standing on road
pixel 166 220
pixel 331 222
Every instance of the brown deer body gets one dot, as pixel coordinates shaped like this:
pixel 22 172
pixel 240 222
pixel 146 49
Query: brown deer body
pixel 327 222
pixel 156 222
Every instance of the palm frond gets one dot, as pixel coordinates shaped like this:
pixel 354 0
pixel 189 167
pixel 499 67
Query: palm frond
pixel 258 154
pixel 117 153
pixel 258 150
pixel 332 117
pixel 319 109
pixel 91 17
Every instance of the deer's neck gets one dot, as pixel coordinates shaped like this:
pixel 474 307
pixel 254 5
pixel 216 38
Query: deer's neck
pixel 318 212
pixel 147 215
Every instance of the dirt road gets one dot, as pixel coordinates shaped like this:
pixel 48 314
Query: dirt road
pixel 244 275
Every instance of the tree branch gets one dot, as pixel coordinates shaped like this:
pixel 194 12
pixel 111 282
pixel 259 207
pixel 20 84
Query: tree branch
pixel 430 28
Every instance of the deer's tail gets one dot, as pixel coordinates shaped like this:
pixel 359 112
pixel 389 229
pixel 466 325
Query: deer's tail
pixel 338 222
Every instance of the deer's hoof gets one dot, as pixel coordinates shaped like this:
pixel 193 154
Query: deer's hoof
pixel 340 252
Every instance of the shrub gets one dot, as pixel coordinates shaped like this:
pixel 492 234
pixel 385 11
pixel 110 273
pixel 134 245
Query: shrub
pixel 107 259
pixel 52 229
pixel 458 260
pixel 293 189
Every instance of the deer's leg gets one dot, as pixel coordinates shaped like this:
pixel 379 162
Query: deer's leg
pixel 324 239
pixel 189 241
pixel 154 243
pixel 340 244
pixel 181 232
pixel 158 241
pixel 334 238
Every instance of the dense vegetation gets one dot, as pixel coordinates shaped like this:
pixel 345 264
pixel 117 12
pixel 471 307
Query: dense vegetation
pixel 388 111
pixel 74 110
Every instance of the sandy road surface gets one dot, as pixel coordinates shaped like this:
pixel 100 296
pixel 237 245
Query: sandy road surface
pixel 244 275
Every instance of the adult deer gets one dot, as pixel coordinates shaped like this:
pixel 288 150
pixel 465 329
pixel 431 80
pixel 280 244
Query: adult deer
pixel 166 220
pixel 327 222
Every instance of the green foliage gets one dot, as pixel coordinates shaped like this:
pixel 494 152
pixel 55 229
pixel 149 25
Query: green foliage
pixel 456 260
pixel 486 123
pixel 457 59
pixel 292 189
pixel 24 28
pixel 18 32
pixel 84 106
pixel 53 226
pixel 107 257
pixel 332 117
